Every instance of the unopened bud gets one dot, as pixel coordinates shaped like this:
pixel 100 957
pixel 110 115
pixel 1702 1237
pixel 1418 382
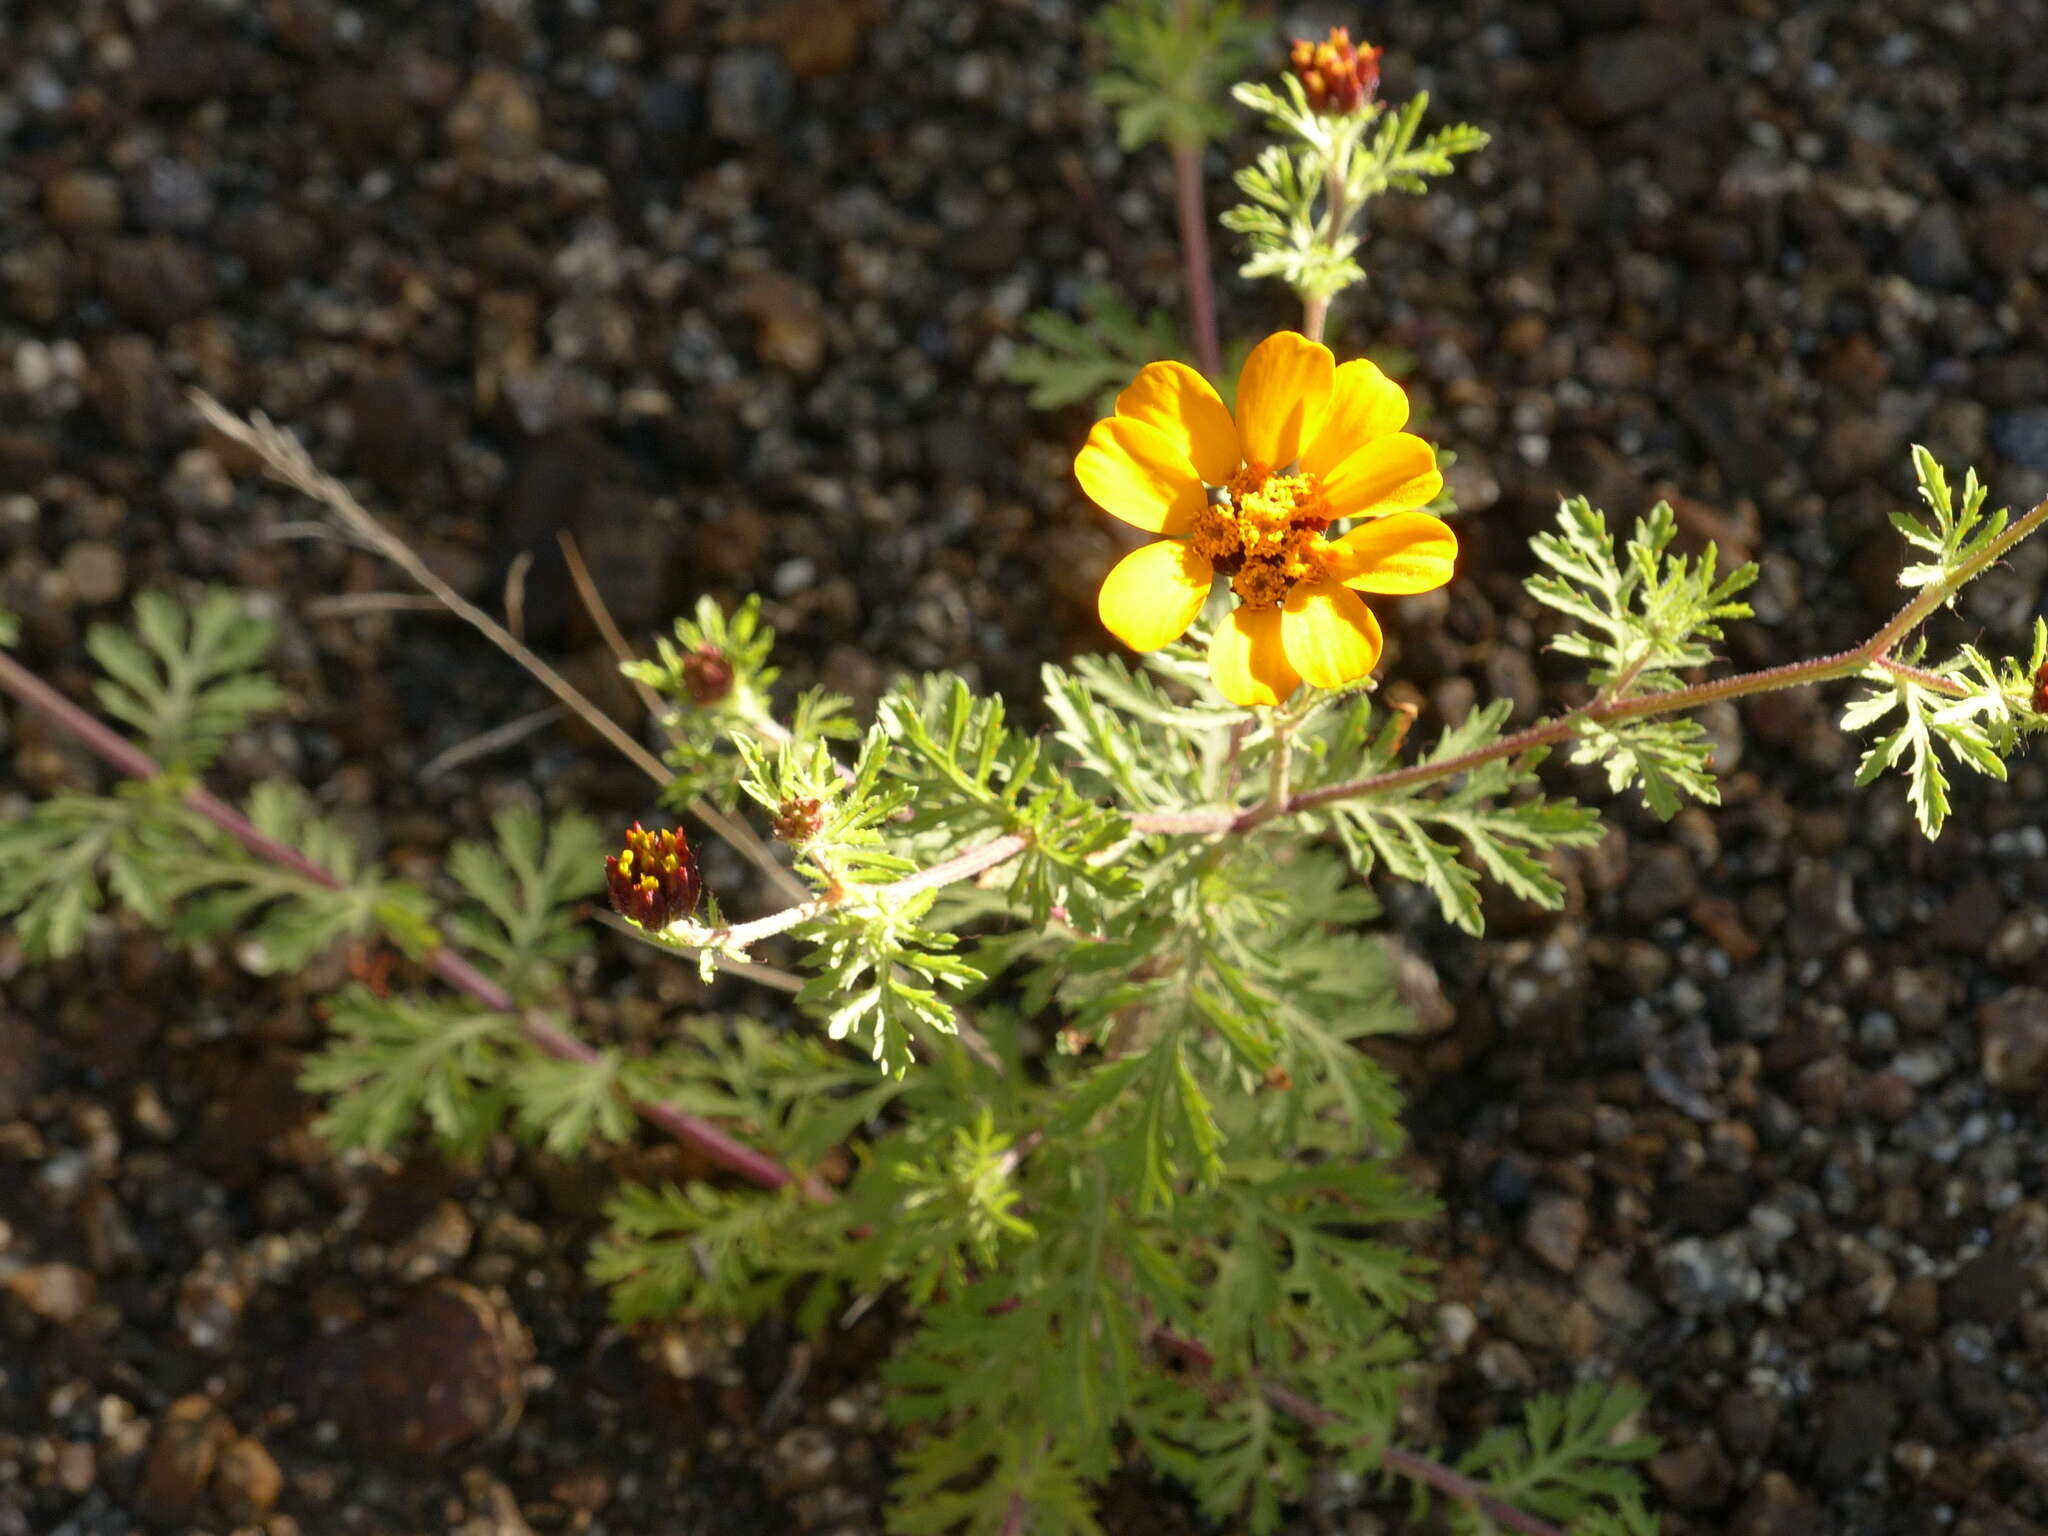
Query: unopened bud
pixel 653 879
pixel 707 674
pixel 1338 78
pixel 798 819
pixel 2041 690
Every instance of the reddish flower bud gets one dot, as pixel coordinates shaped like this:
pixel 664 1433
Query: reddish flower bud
pixel 1338 78
pixel 707 674
pixel 654 879
pixel 2041 690
pixel 798 819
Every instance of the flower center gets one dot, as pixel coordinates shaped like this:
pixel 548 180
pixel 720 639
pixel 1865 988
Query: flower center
pixel 1263 531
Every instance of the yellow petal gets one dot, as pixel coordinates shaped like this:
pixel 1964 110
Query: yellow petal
pixel 1331 636
pixel 1151 596
pixel 1138 473
pixel 1392 474
pixel 1182 404
pixel 1364 404
pixel 1247 661
pixel 1407 552
pixel 1283 394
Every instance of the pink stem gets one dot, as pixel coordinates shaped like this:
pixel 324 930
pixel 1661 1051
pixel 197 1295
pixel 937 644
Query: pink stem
pixel 444 962
pixel 1194 248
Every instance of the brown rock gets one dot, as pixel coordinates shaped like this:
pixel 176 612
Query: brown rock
pixel 1855 1428
pixel 95 572
pixel 1555 1230
pixel 21 1065
pixel 246 1481
pixel 1619 74
pixel 1916 1306
pixel 83 203
pixel 2029 1452
pixel 2012 1037
pixel 818 37
pixel 133 391
pixel 56 1293
pixel 182 1455
pixel 788 320
pixel 1775 1507
pixel 496 119
pixel 1988 1290
pixel 1746 1422
pixel 445 1372
pixel 1888 1097
pixel 397 420
pixel 1694 1476
pixel 1540 1316
pixel 155 283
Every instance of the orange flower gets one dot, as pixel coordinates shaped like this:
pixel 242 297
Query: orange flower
pixel 1337 78
pixel 1252 499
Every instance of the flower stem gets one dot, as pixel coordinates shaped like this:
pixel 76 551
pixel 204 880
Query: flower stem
pixel 1194 249
pixel 1872 653
pixel 1315 311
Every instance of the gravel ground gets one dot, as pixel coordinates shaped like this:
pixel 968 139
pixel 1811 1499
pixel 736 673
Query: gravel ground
pixel 726 290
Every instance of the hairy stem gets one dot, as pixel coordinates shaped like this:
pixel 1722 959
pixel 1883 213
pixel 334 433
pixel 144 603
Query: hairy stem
pixel 1194 249
pixel 444 961
pixel 964 865
pixel 1315 312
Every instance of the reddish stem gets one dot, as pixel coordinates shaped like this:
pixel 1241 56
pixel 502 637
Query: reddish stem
pixel 1194 249
pixel 445 962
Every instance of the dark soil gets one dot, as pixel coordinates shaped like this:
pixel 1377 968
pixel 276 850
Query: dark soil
pixel 726 290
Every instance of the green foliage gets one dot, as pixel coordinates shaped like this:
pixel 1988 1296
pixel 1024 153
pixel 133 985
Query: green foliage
pixel 524 891
pixel 703 737
pixel 1491 819
pixel 1090 357
pixel 10 626
pixel 1304 194
pixel 1569 1458
pixel 288 915
pixel 965 774
pixel 1640 617
pixel 1168 62
pixel 1954 535
pixel 390 1062
pixel 185 678
pixel 1646 614
pixel 852 810
pixel 1972 708
pixel 58 861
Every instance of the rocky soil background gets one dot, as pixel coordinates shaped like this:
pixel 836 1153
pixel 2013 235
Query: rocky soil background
pixel 727 290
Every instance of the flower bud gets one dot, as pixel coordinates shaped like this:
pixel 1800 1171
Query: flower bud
pixel 1338 78
pixel 2041 690
pixel 653 879
pixel 797 820
pixel 707 674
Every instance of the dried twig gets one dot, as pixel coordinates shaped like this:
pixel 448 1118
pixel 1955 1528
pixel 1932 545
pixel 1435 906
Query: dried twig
pixel 287 458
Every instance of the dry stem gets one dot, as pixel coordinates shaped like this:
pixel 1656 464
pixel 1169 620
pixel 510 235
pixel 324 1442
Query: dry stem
pixel 287 458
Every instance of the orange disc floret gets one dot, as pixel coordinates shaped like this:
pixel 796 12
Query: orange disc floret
pixel 653 880
pixel 1337 77
pixel 1250 495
